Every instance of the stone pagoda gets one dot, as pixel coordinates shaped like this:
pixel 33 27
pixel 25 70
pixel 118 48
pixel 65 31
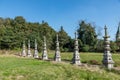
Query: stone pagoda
pixel 118 36
pixel 107 56
pixel 35 51
pixel 44 54
pixel 76 57
pixel 29 52
pixel 57 56
pixel 23 50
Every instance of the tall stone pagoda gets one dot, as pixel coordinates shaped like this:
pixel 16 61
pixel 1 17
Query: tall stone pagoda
pixel 57 56
pixel 35 51
pixel 44 54
pixel 29 52
pixel 23 50
pixel 107 56
pixel 76 57
pixel 118 36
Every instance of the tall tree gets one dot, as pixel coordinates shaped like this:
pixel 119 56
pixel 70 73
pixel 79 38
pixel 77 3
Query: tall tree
pixel 49 32
pixel 14 31
pixel 87 35
pixel 63 39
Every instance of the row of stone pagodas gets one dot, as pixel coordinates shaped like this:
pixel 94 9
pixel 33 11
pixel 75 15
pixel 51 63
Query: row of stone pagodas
pixel 28 54
pixel 57 56
pixel 35 55
pixel 107 56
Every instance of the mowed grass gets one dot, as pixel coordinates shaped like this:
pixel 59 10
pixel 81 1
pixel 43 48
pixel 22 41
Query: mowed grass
pixel 19 68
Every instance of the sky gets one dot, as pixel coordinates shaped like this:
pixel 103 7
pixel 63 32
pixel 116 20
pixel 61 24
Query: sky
pixel 66 13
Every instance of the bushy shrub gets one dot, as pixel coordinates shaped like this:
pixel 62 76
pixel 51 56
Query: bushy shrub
pixel 66 49
pixel 113 46
pixel 84 61
pixel 85 48
pixel 100 46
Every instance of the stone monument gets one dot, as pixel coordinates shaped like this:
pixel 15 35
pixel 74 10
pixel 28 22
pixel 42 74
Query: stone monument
pixel 23 50
pixel 76 57
pixel 57 56
pixel 44 54
pixel 29 52
pixel 107 57
pixel 35 51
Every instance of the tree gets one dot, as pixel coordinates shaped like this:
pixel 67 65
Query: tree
pixel 87 35
pixel 100 45
pixel 63 39
pixel 114 47
pixel 48 32
pixel 14 31
pixel 20 19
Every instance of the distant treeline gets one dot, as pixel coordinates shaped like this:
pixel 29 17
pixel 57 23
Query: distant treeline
pixel 14 31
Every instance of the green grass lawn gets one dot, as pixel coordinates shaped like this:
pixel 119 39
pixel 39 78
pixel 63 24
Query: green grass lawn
pixel 87 57
pixel 18 68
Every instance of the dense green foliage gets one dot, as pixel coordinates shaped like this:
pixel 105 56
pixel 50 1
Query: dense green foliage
pixel 99 46
pixel 14 31
pixel 87 35
pixel 64 40
pixel 114 46
pixel 18 68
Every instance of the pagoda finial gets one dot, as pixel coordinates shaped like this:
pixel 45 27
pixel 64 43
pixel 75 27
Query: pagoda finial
pixel 76 35
pixel 57 37
pixel 118 32
pixel 105 31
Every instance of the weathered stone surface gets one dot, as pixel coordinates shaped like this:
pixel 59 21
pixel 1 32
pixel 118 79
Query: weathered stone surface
pixel 44 54
pixel 57 56
pixel 35 51
pixel 107 56
pixel 23 50
pixel 76 57
pixel 29 52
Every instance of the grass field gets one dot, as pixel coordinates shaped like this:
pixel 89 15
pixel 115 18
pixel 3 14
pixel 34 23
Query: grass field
pixel 13 67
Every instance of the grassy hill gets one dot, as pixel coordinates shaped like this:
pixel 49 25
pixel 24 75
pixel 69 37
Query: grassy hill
pixel 18 68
